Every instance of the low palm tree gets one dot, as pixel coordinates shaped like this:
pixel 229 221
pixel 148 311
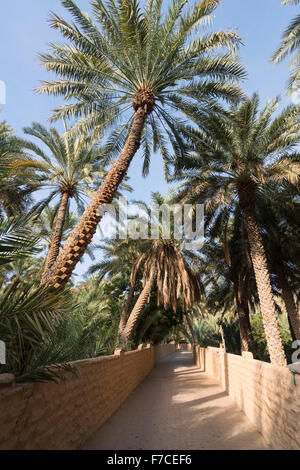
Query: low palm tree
pixel 165 264
pixel 72 170
pixel 166 267
pixel 290 44
pixel 234 159
pixel 122 256
pixel 139 68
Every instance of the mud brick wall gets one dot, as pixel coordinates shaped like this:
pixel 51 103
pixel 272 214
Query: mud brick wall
pixel 269 395
pixel 64 415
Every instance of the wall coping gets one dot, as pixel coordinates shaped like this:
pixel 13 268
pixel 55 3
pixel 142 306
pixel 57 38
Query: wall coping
pixel 7 381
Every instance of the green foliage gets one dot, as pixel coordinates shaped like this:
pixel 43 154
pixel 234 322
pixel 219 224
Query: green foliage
pixel 17 181
pixel 156 325
pixel 260 349
pixel 28 319
pixel 207 331
pixel 97 316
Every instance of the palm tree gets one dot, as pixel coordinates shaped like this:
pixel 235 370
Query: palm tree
pixel 290 43
pixel 72 171
pixel 45 223
pixel 166 267
pixel 16 188
pixel 235 158
pixel 164 263
pixel 132 58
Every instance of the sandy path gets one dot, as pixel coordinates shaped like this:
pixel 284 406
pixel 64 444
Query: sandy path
pixel 177 407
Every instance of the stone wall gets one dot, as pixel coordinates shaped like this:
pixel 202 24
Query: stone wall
pixel 62 416
pixel 269 395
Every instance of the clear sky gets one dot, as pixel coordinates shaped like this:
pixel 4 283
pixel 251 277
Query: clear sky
pixel 25 33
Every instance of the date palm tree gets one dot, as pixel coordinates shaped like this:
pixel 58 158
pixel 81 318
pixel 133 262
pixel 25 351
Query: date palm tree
pixel 134 71
pixel 234 159
pixel 165 266
pixel 290 44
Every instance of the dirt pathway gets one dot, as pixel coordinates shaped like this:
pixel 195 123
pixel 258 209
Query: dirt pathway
pixel 177 407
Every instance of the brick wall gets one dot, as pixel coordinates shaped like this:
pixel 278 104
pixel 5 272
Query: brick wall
pixel 64 415
pixel 265 392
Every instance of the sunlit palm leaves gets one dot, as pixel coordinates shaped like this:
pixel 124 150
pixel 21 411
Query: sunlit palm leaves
pixel 290 45
pixel 125 49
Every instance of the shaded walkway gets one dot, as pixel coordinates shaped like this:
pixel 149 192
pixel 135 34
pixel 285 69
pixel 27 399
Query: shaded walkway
pixel 177 407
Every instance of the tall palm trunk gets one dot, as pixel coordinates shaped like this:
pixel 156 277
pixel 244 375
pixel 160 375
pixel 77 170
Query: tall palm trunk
pixel 84 230
pixel 140 304
pixel 263 283
pixel 243 315
pixel 57 235
pixel 289 301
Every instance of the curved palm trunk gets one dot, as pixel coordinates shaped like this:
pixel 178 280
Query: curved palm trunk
pixel 124 314
pixel 140 304
pixel 289 301
pixel 125 310
pixel 85 229
pixel 186 333
pixel 57 235
pixel 263 283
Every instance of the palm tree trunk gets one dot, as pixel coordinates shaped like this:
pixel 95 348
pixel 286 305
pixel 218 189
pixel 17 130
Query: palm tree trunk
pixel 245 328
pixel 124 314
pixel 85 229
pixel 57 235
pixel 140 304
pixel 244 321
pixel 263 283
pixel 289 301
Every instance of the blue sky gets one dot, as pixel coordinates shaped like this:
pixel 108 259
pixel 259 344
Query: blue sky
pixel 25 33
